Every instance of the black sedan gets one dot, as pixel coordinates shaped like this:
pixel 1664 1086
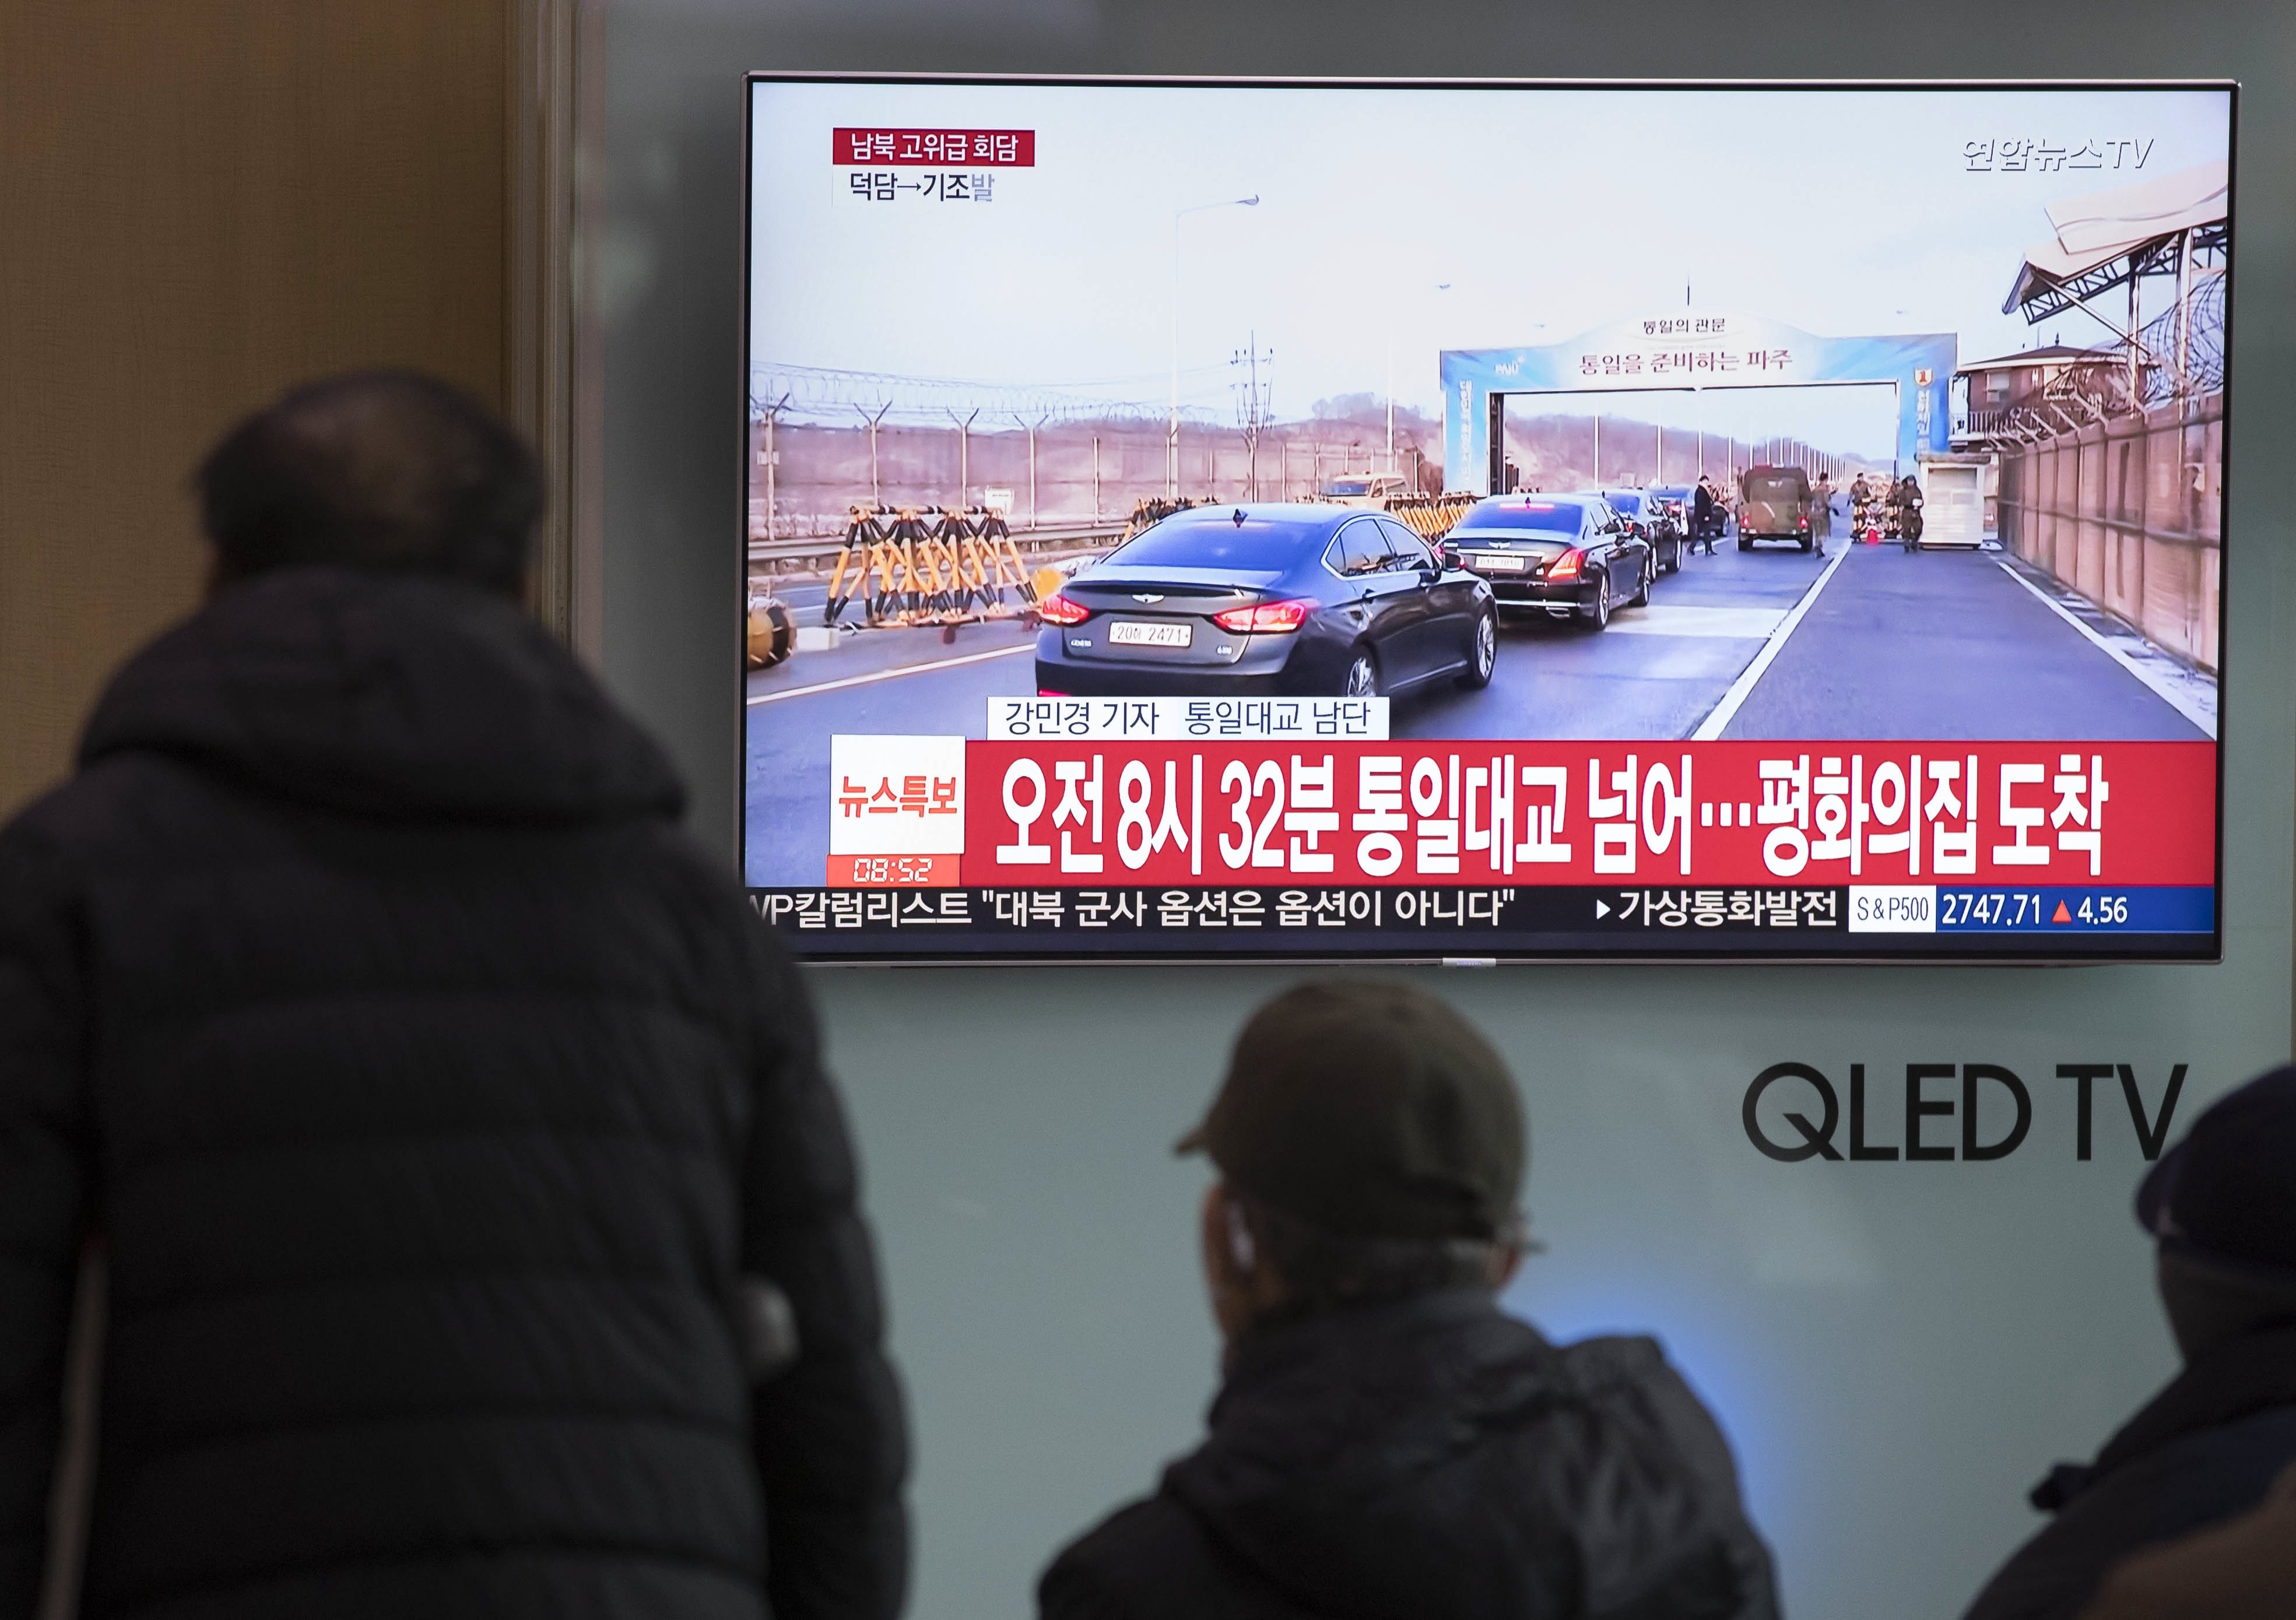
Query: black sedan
pixel 1221 601
pixel 1647 511
pixel 1565 554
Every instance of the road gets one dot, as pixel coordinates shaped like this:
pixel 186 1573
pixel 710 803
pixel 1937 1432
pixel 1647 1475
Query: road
pixel 1939 645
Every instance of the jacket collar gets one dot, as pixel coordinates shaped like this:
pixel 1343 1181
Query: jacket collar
pixel 2243 1376
pixel 386 695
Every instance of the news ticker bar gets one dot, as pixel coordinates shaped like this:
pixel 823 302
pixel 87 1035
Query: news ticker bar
pixel 1152 812
pixel 919 900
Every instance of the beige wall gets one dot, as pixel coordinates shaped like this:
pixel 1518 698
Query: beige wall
pixel 201 202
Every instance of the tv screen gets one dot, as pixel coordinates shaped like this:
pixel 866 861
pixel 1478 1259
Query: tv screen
pixel 1483 521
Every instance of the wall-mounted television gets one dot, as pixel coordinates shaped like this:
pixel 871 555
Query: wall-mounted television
pixel 1475 521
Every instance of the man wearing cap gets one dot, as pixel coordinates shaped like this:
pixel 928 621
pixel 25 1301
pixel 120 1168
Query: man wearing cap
pixel 1387 1443
pixel 2221 1206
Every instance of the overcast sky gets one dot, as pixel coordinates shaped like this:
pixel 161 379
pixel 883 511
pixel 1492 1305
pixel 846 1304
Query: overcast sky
pixel 1546 212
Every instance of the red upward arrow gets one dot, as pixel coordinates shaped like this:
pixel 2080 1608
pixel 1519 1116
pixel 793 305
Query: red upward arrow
pixel 2062 915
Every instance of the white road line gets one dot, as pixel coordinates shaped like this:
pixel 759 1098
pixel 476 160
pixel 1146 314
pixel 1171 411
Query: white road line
pixel 887 675
pixel 2182 702
pixel 1742 688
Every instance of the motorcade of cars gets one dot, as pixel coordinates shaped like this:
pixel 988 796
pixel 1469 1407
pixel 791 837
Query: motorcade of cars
pixel 1774 503
pixel 1370 490
pixel 1566 555
pixel 1301 599
pixel 1648 514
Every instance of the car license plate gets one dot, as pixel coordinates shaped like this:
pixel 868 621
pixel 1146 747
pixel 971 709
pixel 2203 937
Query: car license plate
pixel 1493 562
pixel 1131 633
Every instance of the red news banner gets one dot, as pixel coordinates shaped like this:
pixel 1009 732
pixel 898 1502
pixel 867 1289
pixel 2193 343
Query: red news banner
pixel 1091 814
pixel 933 147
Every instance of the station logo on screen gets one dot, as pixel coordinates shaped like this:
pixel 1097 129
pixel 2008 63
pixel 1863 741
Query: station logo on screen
pixel 1220 520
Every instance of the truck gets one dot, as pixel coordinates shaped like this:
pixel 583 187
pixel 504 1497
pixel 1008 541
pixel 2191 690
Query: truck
pixel 1373 490
pixel 1775 503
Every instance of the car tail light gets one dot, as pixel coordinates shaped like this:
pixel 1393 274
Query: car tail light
pixel 1058 609
pixel 1566 566
pixel 1265 616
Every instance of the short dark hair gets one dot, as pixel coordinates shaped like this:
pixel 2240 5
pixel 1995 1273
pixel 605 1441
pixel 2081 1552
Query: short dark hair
pixel 388 469
pixel 1322 1271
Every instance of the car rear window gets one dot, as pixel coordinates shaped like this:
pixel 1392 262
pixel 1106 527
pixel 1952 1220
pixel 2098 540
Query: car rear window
pixel 1255 544
pixel 1347 486
pixel 1628 503
pixel 1773 490
pixel 1555 517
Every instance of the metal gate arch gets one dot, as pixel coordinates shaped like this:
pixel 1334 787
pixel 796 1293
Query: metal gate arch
pixel 1690 348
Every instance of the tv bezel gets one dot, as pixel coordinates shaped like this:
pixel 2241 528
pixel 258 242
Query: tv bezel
pixel 1984 950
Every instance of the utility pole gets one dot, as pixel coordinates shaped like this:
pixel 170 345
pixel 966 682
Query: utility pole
pixel 1096 477
pixel 1253 406
pixel 1390 468
pixel 2184 314
pixel 2135 349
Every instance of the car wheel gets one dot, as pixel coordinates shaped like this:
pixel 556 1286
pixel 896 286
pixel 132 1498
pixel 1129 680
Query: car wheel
pixel 1648 578
pixel 1362 679
pixel 1483 655
pixel 1745 544
pixel 1599 615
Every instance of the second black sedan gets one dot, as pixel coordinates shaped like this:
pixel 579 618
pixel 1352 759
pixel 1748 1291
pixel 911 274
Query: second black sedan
pixel 1306 599
pixel 1570 556
pixel 1651 517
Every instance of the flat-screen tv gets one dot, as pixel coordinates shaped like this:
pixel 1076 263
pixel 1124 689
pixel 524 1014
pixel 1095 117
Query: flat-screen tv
pixel 1471 521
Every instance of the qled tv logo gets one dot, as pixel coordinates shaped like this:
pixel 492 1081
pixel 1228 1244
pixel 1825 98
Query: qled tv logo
pixel 1793 1112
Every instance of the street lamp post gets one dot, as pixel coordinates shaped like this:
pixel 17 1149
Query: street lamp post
pixel 1172 426
pixel 771 456
pixel 876 499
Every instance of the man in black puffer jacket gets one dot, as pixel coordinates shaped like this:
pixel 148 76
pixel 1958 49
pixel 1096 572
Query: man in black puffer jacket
pixel 481 1231
pixel 1388 1443
pixel 2221 1206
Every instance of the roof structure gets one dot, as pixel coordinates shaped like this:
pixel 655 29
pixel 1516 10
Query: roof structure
pixel 2106 238
pixel 2048 354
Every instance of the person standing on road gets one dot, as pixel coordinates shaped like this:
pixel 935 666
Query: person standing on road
pixel 1821 512
pixel 479 1230
pixel 1705 514
pixel 1908 499
pixel 2221 1208
pixel 1388 1443
pixel 1861 504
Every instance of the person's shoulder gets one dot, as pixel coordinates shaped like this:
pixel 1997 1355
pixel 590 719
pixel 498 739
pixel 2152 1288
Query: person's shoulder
pixel 100 811
pixel 2198 1480
pixel 1150 1560
pixel 1100 1572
